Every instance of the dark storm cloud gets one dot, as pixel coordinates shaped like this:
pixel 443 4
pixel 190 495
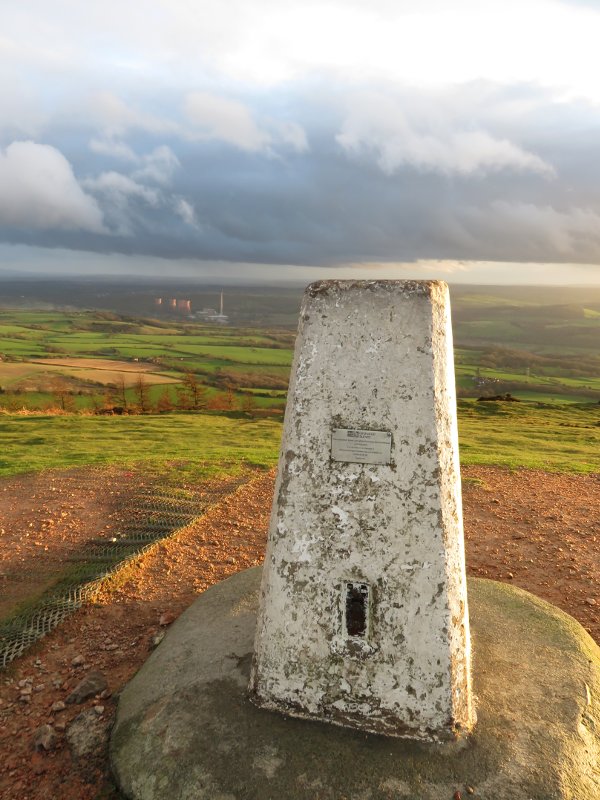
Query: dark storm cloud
pixel 317 176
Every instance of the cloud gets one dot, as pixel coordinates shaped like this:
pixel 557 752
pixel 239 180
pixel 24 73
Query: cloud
pixel 38 190
pixel 400 133
pixel 572 234
pixel 324 173
pixel 186 211
pixel 117 118
pixel 292 134
pixel 216 117
pixel 115 183
pixel 158 166
pixel 114 149
pixel 123 199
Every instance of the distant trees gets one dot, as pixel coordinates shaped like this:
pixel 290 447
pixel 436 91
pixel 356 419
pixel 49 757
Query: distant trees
pixel 164 403
pixel 63 396
pixel 192 394
pixel 120 392
pixel 222 402
pixel 139 396
pixel 142 393
pixel 248 404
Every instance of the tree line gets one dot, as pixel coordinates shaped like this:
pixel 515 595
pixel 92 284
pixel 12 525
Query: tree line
pixel 137 398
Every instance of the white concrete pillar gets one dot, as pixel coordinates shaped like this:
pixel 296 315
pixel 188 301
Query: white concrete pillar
pixel 363 617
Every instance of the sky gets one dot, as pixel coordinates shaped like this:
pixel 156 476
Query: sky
pixel 276 139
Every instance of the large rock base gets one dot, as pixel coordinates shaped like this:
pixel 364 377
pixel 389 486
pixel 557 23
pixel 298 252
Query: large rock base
pixel 186 730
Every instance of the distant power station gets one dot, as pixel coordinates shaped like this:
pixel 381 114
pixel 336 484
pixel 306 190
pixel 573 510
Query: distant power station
pixel 183 307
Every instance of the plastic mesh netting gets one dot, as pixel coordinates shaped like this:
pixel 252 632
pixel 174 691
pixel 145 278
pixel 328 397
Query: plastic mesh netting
pixel 153 516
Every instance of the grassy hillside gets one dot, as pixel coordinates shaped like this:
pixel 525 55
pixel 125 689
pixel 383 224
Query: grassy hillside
pixel 554 437
pixel 533 342
pixel 550 437
pixel 199 443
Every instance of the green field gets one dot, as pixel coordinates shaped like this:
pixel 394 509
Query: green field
pixel 204 442
pixel 549 437
pixel 553 437
pixel 506 340
pixel 226 361
pixel 535 344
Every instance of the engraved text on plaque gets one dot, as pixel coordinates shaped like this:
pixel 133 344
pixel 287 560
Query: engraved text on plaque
pixel 361 447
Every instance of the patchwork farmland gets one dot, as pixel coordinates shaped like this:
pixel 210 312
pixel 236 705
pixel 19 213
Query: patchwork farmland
pixel 100 361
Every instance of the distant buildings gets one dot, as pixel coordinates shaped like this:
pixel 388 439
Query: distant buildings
pixel 210 315
pixel 183 307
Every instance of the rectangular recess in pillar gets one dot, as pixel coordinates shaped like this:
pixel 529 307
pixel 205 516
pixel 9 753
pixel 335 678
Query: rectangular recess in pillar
pixel 357 610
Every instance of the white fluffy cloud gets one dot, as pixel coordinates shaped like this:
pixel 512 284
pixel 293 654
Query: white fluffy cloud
pixel 116 184
pixel 157 166
pixel 114 149
pixel 124 197
pixel 399 133
pixel 216 117
pixel 38 190
pixel 221 118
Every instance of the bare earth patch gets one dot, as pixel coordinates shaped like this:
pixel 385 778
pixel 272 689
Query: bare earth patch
pixel 540 531
pixel 46 518
pixel 40 373
pixel 105 370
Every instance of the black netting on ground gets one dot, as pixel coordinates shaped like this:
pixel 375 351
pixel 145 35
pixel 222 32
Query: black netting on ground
pixel 153 516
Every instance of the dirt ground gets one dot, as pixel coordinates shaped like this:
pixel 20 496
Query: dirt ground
pixel 48 519
pixel 537 530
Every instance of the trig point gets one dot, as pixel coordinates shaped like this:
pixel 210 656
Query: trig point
pixel 363 614
pixel 361 619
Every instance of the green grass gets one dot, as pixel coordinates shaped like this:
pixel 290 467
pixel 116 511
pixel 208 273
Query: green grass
pixel 497 330
pixel 518 344
pixel 550 437
pixel 240 355
pixel 33 443
pixel 550 397
pixel 557 438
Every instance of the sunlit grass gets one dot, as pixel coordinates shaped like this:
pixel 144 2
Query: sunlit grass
pixel 550 437
pixel 557 437
pixel 33 443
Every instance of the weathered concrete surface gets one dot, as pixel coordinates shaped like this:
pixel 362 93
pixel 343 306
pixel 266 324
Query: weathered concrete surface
pixel 370 356
pixel 186 730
